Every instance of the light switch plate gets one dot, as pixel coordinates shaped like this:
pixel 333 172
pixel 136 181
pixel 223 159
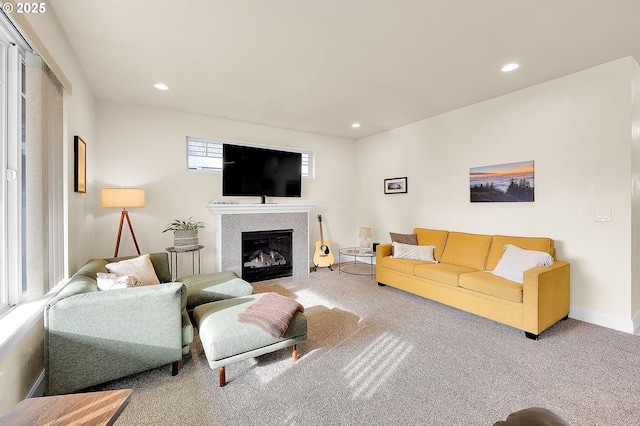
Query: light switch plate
pixel 603 215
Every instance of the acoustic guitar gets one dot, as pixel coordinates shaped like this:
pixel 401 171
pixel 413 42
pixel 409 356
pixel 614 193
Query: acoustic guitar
pixel 323 256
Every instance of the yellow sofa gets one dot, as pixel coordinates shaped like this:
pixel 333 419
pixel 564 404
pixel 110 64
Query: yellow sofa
pixel 462 278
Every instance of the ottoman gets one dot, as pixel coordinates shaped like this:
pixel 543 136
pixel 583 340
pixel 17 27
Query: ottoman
pixel 226 340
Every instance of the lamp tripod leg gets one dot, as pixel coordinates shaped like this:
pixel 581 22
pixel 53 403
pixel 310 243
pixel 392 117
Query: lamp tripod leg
pixel 132 233
pixel 124 212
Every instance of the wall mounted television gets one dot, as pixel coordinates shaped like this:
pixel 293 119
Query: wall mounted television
pixel 251 171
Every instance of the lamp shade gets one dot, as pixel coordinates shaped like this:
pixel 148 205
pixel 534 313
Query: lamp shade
pixel 122 197
pixel 365 232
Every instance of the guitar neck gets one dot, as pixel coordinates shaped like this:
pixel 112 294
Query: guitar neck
pixel 321 235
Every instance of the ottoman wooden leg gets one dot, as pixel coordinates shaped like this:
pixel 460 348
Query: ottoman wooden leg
pixel 223 380
pixel 294 353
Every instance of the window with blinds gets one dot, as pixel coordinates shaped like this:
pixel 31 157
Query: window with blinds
pixel 31 196
pixel 207 155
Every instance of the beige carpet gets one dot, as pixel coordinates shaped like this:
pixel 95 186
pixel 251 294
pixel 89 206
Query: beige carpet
pixel 380 356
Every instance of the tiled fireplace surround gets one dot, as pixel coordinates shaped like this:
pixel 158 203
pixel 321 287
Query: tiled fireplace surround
pixel 231 220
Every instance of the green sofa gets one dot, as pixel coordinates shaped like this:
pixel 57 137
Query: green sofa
pixel 93 336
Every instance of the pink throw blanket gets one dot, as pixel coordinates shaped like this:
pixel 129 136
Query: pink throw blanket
pixel 272 313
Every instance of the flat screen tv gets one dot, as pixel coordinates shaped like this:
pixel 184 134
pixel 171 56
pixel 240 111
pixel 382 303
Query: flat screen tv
pixel 250 171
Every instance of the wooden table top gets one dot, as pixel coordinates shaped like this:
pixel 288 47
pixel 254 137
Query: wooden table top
pixel 92 408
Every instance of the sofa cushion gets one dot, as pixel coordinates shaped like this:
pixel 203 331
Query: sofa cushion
pixel 413 252
pixel 115 281
pixel 528 243
pixel 160 264
pixel 444 273
pixel 492 285
pixel 468 250
pixel 91 268
pixel 432 237
pixel 404 266
pixel 516 260
pixel 214 286
pixel 140 267
pixel 404 238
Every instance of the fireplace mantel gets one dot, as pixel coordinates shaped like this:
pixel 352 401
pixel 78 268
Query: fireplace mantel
pixel 259 208
pixel 230 220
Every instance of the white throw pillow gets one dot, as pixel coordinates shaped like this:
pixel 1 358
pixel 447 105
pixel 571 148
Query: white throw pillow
pixel 413 252
pixel 516 260
pixel 139 267
pixel 115 281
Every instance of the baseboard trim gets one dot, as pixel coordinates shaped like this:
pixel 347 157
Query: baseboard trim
pixel 38 387
pixel 636 323
pixel 627 326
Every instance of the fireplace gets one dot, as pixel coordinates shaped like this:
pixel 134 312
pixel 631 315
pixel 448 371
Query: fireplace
pixel 231 220
pixel 267 254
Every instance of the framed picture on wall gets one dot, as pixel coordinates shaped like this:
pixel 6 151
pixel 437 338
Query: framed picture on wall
pixel 80 162
pixel 395 185
pixel 510 182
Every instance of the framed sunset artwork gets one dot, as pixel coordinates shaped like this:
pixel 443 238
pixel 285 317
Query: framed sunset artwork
pixel 510 182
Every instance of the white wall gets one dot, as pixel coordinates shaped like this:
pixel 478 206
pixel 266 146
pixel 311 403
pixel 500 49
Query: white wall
pixel 577 129
pixel 635 194
pixel 146 147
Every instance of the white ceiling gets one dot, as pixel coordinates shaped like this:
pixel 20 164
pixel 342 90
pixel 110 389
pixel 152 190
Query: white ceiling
pixel 319 65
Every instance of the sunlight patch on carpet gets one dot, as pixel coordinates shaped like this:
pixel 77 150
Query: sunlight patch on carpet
pixel 309 298
pixel 368 371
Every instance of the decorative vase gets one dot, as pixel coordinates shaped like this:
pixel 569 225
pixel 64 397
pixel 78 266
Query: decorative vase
pixel 185 240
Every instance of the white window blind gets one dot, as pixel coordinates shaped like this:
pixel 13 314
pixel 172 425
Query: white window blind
pixel 42 217
pixel 205 154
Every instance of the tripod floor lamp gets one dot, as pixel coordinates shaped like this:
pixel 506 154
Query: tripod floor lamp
pixel 123 198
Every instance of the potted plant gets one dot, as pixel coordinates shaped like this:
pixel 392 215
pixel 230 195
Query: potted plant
pixel 185 233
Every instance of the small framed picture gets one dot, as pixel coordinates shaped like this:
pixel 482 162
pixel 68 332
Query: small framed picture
pixel 80 160
pixel 395 185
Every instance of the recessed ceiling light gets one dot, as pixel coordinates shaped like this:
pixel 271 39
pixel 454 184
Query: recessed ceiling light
pixel 161 86
pixel 510 67
pixel 355 125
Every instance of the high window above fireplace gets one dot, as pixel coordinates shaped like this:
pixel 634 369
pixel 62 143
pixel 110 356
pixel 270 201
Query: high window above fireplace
pixel 267 254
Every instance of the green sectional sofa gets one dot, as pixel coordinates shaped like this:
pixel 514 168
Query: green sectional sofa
pixel 93 336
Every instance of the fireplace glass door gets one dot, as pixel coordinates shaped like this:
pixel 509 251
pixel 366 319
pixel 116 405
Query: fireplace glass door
pixel 267 254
